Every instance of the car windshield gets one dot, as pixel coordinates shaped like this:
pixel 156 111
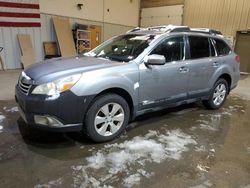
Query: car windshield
pixel 122 48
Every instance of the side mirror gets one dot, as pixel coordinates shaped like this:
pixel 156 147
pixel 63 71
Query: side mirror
pixel 155 59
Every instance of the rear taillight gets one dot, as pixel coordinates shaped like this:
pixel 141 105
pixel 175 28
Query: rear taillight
pixel 237 58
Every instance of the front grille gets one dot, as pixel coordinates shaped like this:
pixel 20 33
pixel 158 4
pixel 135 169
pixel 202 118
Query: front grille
pixel 24 87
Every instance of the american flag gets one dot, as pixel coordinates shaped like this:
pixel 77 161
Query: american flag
pixel 19 13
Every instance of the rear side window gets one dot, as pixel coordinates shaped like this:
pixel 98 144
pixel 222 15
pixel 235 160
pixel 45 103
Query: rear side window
pixel 172 49
pixel 199 47
pixel 221 47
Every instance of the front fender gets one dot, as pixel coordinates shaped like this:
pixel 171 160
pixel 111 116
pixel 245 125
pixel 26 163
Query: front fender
pixel 93 83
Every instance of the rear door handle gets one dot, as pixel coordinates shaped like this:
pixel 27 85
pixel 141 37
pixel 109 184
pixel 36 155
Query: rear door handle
pixel 183 69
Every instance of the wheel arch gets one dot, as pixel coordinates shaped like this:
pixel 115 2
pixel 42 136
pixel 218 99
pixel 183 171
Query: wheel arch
pixel 121 92
pixel 228 78
pixel 124 94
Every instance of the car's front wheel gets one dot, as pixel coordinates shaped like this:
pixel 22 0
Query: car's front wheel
pixel 107 117
pixel 218 95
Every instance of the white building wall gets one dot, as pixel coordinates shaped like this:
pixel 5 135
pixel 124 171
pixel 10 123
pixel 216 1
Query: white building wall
pixel 8 40
pixel 94 16
pixel 91 9
pixel 122 12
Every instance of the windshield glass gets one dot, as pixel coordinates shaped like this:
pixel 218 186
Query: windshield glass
pixel 123 48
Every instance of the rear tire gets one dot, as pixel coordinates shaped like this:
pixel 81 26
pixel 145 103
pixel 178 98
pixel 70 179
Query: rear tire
pixel 218 95
pixel 107 118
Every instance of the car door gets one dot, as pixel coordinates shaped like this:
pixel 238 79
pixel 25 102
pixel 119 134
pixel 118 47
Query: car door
pixel 161 84
pixel 201 65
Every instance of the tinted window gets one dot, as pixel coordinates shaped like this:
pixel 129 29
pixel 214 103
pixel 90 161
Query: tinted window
pixel 199 47
pixel 172 49
pixel 222 47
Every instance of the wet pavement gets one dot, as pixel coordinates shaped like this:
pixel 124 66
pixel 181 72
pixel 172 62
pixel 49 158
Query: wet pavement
pixel 187 146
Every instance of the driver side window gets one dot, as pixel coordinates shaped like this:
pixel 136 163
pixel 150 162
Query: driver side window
pixel 172 49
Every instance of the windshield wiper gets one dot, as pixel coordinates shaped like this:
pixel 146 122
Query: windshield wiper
pixel 109 58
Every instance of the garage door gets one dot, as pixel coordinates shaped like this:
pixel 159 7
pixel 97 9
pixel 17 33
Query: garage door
pixel 242 47
pixel 162 16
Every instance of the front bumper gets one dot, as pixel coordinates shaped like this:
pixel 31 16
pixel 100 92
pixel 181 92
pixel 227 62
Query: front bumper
pixel 67 109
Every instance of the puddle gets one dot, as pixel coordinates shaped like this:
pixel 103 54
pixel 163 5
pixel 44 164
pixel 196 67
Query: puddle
pixel 173 148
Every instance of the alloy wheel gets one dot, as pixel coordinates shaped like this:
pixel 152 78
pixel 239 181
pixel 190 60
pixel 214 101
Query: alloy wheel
pixel 109 119
pixel 219 94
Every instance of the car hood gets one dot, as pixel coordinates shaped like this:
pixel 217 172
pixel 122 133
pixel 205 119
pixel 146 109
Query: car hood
pixel 67 66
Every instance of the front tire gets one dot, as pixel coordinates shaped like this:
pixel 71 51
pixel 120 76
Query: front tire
pixel 218 95
pixel 106 118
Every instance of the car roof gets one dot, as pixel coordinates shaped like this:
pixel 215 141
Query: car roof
pixel 171 29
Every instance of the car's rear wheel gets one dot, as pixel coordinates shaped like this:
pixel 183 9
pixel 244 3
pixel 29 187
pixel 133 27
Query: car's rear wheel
pixel 218 95
pixel 107 117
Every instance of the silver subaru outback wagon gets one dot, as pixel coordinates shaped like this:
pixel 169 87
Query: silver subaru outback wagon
pixel 144 70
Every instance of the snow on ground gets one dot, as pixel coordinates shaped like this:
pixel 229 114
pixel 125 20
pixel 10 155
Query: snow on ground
pixel 133 179
pixel 2 117
pixel 116 162
pixel 207 127
pixel 205 184
pixel 13 109
pixel 200 148
pixel 203 168
pixel 126 163
pixel 50 184
pixel 234 108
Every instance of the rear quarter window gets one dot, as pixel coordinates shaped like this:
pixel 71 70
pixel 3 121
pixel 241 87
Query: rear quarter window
pixel 212 48
pixel 221 47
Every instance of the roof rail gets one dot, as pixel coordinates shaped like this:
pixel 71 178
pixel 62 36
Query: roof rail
pixel 163 28
pixel 206 30
pixel 181 29
pixel 134 29
pixel 172 28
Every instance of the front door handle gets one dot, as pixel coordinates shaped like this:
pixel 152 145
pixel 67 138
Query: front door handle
pixel 183 69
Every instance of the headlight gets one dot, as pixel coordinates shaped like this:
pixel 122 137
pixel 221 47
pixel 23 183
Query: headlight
pixel 58 86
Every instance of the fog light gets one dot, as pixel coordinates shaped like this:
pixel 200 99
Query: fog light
pixel 47 120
